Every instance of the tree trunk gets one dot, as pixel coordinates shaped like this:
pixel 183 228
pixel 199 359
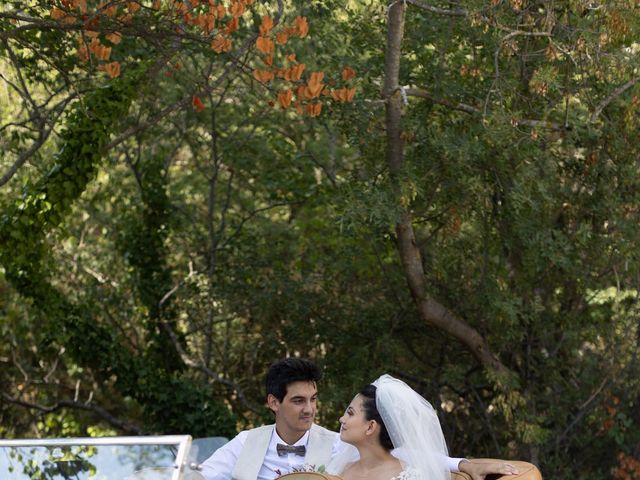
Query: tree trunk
pixel 431 311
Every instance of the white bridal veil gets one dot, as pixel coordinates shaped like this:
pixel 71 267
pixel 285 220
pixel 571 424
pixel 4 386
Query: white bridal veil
pixel 414 429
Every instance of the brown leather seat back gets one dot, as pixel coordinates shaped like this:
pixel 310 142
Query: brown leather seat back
pixel 308 476
pixel 527 471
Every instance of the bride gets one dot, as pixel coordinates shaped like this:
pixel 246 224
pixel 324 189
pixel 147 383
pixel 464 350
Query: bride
pixel 389 416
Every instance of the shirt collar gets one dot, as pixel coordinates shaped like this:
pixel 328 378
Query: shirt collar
pixel 275 439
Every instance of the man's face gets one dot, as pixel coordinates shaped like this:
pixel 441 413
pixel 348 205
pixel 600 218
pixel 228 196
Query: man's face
pixel 295 414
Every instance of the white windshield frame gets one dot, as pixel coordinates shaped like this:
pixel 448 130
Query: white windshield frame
pixel 183 442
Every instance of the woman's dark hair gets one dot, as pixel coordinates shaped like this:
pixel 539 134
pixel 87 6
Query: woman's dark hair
pixel 368 394
pixel 288 370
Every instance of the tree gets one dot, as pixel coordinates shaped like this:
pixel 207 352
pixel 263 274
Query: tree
pixel 489 259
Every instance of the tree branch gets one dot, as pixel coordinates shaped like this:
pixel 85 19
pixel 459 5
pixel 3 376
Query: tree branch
pixel 429 310
pixel 99 411
pixel 207 371
pixel 615 94
pixel 458 12
pixel 470 109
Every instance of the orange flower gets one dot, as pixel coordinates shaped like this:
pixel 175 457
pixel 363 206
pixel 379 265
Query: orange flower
pixel 218 11
pixel 156 4
pixel 282 38
pixel 284 98
pixel 209 22
pixel 221 44
pixel 110 10
pixel 205 21
pixel 83 51
pixel 302 27
pixel 57 14
pixel 350 94
pixel 80 5
pixel 112 69
pixel 348 73
pixel 237 9
pixel 314 85
pixel 343 94
pixel 266 25
pixel 314 109
pixel 133 7
pixel 294 73
pixel 232 25
pixel 268 60
pixel 291 57
pixel 197 103
pixel 100 51
pixel 300 92
pixel 265 45
pixel 263 75
pixel 180 7
pixel 114 38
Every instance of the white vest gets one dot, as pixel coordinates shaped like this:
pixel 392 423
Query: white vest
pixel 318 453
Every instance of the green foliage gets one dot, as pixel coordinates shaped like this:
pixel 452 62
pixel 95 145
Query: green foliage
pixel 44 206
pixel 212 243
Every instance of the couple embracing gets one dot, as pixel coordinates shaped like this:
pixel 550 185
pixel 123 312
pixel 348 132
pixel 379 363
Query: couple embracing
pixel 388 432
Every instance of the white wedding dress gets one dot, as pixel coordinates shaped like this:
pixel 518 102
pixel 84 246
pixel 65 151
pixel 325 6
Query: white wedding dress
pixel 409 473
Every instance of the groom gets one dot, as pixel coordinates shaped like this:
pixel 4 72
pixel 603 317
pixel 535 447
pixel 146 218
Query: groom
pixel 294 441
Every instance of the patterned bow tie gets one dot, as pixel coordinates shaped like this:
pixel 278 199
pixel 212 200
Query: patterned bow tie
pixel 284 449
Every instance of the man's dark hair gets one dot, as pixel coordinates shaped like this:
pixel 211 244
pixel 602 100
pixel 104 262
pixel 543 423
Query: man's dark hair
pixel 288 370
pixel 368 394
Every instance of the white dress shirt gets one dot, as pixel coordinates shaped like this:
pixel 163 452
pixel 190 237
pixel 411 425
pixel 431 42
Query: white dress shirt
pixel 221 464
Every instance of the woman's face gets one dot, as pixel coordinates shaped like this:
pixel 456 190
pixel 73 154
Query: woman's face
pixel 354 424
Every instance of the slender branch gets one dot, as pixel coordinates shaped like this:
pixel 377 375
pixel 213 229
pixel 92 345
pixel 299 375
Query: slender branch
pixel 16 64
pixel 458 12
pixel 216 377
pixel 464 107
pixel 417 92
pixel 615 94
pixel 99 411
pixel 24 156
pixel 173 290
pixel 249 217
pixel 506 38
pixel 584 409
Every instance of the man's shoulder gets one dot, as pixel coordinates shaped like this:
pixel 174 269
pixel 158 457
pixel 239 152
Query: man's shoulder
pixel 255 432
pixel 259 429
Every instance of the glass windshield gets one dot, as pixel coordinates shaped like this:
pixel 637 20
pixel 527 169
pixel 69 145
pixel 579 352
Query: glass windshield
pixel 90 462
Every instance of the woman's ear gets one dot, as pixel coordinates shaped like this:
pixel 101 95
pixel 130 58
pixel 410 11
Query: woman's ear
pixel 372 427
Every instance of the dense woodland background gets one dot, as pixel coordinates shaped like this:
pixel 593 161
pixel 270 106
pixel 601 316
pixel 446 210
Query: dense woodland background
pixel 469 222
